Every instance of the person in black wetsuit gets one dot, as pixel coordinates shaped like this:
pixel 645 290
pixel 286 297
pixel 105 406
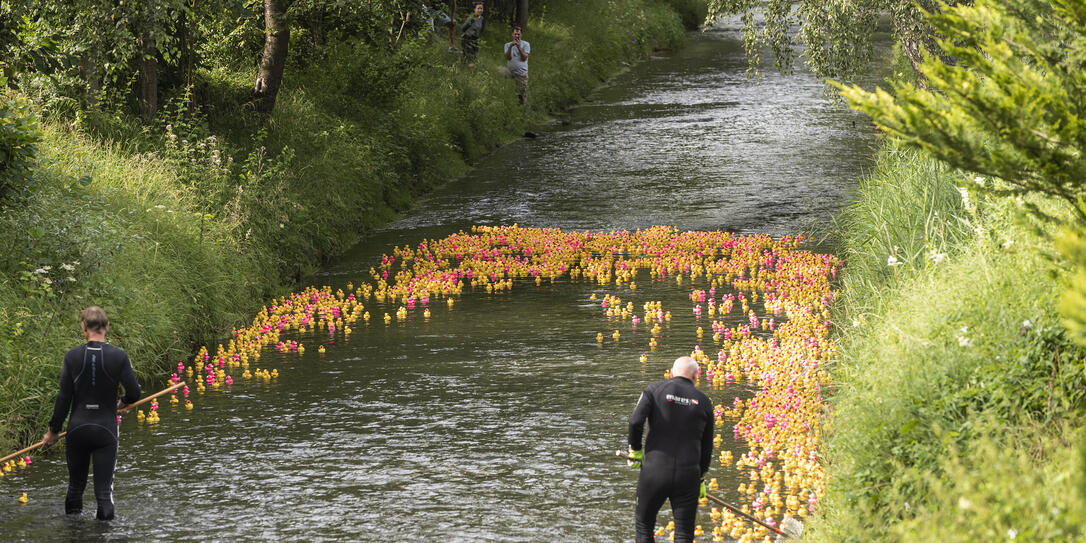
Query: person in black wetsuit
pixel 88 390
pixel 677 451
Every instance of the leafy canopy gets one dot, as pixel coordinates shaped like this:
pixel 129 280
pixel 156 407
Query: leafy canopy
pixel 1012 104
pixel 837 36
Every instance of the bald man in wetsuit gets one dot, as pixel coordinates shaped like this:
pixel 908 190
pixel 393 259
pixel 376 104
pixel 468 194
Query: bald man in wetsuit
pixel 88 391
pixel 677 451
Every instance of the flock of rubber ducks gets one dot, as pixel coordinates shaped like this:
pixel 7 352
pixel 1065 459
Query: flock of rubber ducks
pixel 12 465
pixel 779 348
pixel 780 353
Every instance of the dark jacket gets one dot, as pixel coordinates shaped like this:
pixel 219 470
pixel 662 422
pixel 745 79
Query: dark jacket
pixel 680 425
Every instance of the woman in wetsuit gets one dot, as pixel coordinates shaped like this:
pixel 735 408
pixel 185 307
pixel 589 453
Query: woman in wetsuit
pixel 88 391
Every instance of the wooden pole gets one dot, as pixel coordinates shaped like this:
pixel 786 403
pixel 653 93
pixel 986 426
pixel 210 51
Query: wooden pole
pixel 62 434
pixel 721 502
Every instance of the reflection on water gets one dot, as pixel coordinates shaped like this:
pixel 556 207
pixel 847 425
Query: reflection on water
pixel 494 421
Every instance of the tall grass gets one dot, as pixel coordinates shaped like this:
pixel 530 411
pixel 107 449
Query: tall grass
pixel 957 394
pixel 108 229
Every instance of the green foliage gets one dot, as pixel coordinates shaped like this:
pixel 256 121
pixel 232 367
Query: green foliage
pixel 837 36
pixel 691 12
pixel 19 136
pixel 1010 107
pixel 908 217
pixel 1023 487
pixel 943 362
pixel 117 231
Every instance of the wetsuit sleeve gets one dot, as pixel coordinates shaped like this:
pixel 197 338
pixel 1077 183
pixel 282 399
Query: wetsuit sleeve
pixel 64 399
pixel 707 440
pixel 637 419
pixel 128 380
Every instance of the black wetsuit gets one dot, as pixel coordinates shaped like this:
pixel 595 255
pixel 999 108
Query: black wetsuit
pixel 88 389
pixel 677 453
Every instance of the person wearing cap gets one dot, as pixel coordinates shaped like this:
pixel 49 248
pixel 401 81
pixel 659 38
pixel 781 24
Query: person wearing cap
pixel 470 32
pixel 676 452
pixel 89 378
pixel 516 57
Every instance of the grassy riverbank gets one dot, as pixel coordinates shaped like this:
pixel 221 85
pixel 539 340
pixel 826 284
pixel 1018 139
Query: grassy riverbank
pixel 958 400
pixel 182 228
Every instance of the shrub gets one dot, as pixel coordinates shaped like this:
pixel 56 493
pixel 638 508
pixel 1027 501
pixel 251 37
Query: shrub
pixel 19 137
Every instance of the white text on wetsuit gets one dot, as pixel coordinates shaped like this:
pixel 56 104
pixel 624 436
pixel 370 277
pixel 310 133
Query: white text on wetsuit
pixel 680 400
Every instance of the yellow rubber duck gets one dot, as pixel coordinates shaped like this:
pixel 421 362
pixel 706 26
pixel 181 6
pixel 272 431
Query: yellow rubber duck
pixel 301 348
pixel 426 313
pixel 173 399
pixel 615 335
pixel 644 358
pixel 274 373
pixel 249 375
pixel 320 349
pixel 188 404
pixel 23 498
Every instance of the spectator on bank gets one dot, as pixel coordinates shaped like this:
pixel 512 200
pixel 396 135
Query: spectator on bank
pixel 516 57
pixel 436 17
pixel 470 32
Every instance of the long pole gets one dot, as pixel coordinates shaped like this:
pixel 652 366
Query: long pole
pixel 62 434
pixel 722 502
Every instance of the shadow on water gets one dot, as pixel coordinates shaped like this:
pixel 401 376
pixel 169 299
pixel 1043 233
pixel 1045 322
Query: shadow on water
pixel 493 421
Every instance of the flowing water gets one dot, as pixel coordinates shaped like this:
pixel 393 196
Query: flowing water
pixel 495 420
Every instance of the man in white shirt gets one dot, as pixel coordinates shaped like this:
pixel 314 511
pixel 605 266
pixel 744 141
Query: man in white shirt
pixel 516 56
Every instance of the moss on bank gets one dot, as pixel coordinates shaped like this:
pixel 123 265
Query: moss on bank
pixel 958 399
pixel 181 230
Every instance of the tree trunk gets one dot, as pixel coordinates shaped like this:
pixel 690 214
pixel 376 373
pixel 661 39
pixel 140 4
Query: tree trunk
pixel 274 58
pixel 522 15
pixel 88 68
pixel 452 27
pixel 148 67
